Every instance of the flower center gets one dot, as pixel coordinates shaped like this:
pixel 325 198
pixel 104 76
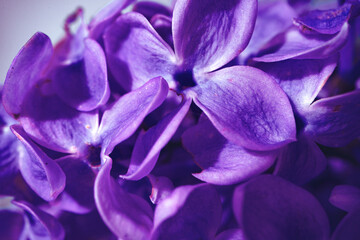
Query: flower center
pixel 185 79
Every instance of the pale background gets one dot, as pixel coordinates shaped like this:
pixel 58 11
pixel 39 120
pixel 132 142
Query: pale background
pixel 20 19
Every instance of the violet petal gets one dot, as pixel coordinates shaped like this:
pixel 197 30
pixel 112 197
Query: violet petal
pixel 150 9
pixel 208 34
pixel 348 228
pixel 231 234
pixel 12 224
pixel 268 207
pixel 247 107
pixel 161 188
pixel 345 197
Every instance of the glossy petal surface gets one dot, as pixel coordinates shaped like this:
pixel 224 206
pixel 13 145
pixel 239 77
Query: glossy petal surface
pixel 334 121
pixel 148 145
pixel 345 197
pixel 221 161
pixel 124 117
pixel 247 107
pixel 127 215
pixel 209 33
pixel 136 52
pixel 269 207
pixel 43 175
pixel 25 71
pixel 348 228
pixel 190 212
pixel 300 161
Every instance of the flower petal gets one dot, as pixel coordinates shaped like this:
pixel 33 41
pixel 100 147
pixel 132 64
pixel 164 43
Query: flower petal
pixel 300 161
pixel 231 234
pixel 190 212
pixel 25 70
pixel 348 228
pixel 12 224
pixel 247 107
pixel 161 188
pixel 294 44
pixel 301 80
pixel 124 117
pixel 136 53
pixel 334 121
pixel 127 215
pixel 210 33
pixel 268 207
pixel 150 9
pixel 345 197
pixel 148 145
pixel 221 161
pixel 43 175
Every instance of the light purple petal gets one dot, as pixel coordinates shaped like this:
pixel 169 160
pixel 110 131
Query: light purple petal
pixel 300 161
pixel 269 207
pixel 43 175
pixel 334 121
pixel 40 224
pixel 231 234
pixel 148 145
pixel 124 117
pixel 127 215
pixel 161 188
pixel 294 44
pixel 345 197
pixel 83 84
pixel 348 228
pixel 190 212
pixel 25 70
pixel 301 80
pixel 221 161
pixel 247 107
pixel 324 21
pixel 136 53
pixel 208 34
pixel 55 125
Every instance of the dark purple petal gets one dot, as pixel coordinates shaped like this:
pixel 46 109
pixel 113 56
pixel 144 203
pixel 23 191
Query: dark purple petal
pixel 12 224
pixel 161 188
pixel 210 33
pixel 348 228
pixel 324 21
pixel 300 161
pixel 43 175
pixel 136 53
pixel 83 84
pixel 148 145
pixel 231 234
pixel 294 44
pixel 345 197
pixel 162 25
pixel 124 117
pixel 127 215
pixel 150 9
pixel 40 224
pixel 247 107
pixel 269 207
pixel 25 71
pixel 55 125
pixel 334 121
pixel 190 212
pixel 302 80
pixel 221 161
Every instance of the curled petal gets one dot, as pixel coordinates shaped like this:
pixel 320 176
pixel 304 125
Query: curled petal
pixel 268 207
pixel 161 188
pixel 190 212
pixel 127 215
pixel 43 175
pixel 348 228
pixel 247 107
pixel 208 34
pixel 136 53
pixel 148 145
pixel 345 197
pixel 25 70
pixel 124 117
pixel 221 161
pixel 334 121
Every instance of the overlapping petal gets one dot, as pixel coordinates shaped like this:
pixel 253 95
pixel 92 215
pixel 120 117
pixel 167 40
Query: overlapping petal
pixel 127 215
pixel 208 34
pixel 247 107
pixel 345 197
pixel 41 173
pixel 348 228
pixel 161 188
pixel 334 121
pixel 136 53
pixel 150 9
pixel 268 207
pixel 190 212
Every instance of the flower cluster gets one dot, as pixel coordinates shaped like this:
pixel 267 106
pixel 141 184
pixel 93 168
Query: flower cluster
pixel 236 119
